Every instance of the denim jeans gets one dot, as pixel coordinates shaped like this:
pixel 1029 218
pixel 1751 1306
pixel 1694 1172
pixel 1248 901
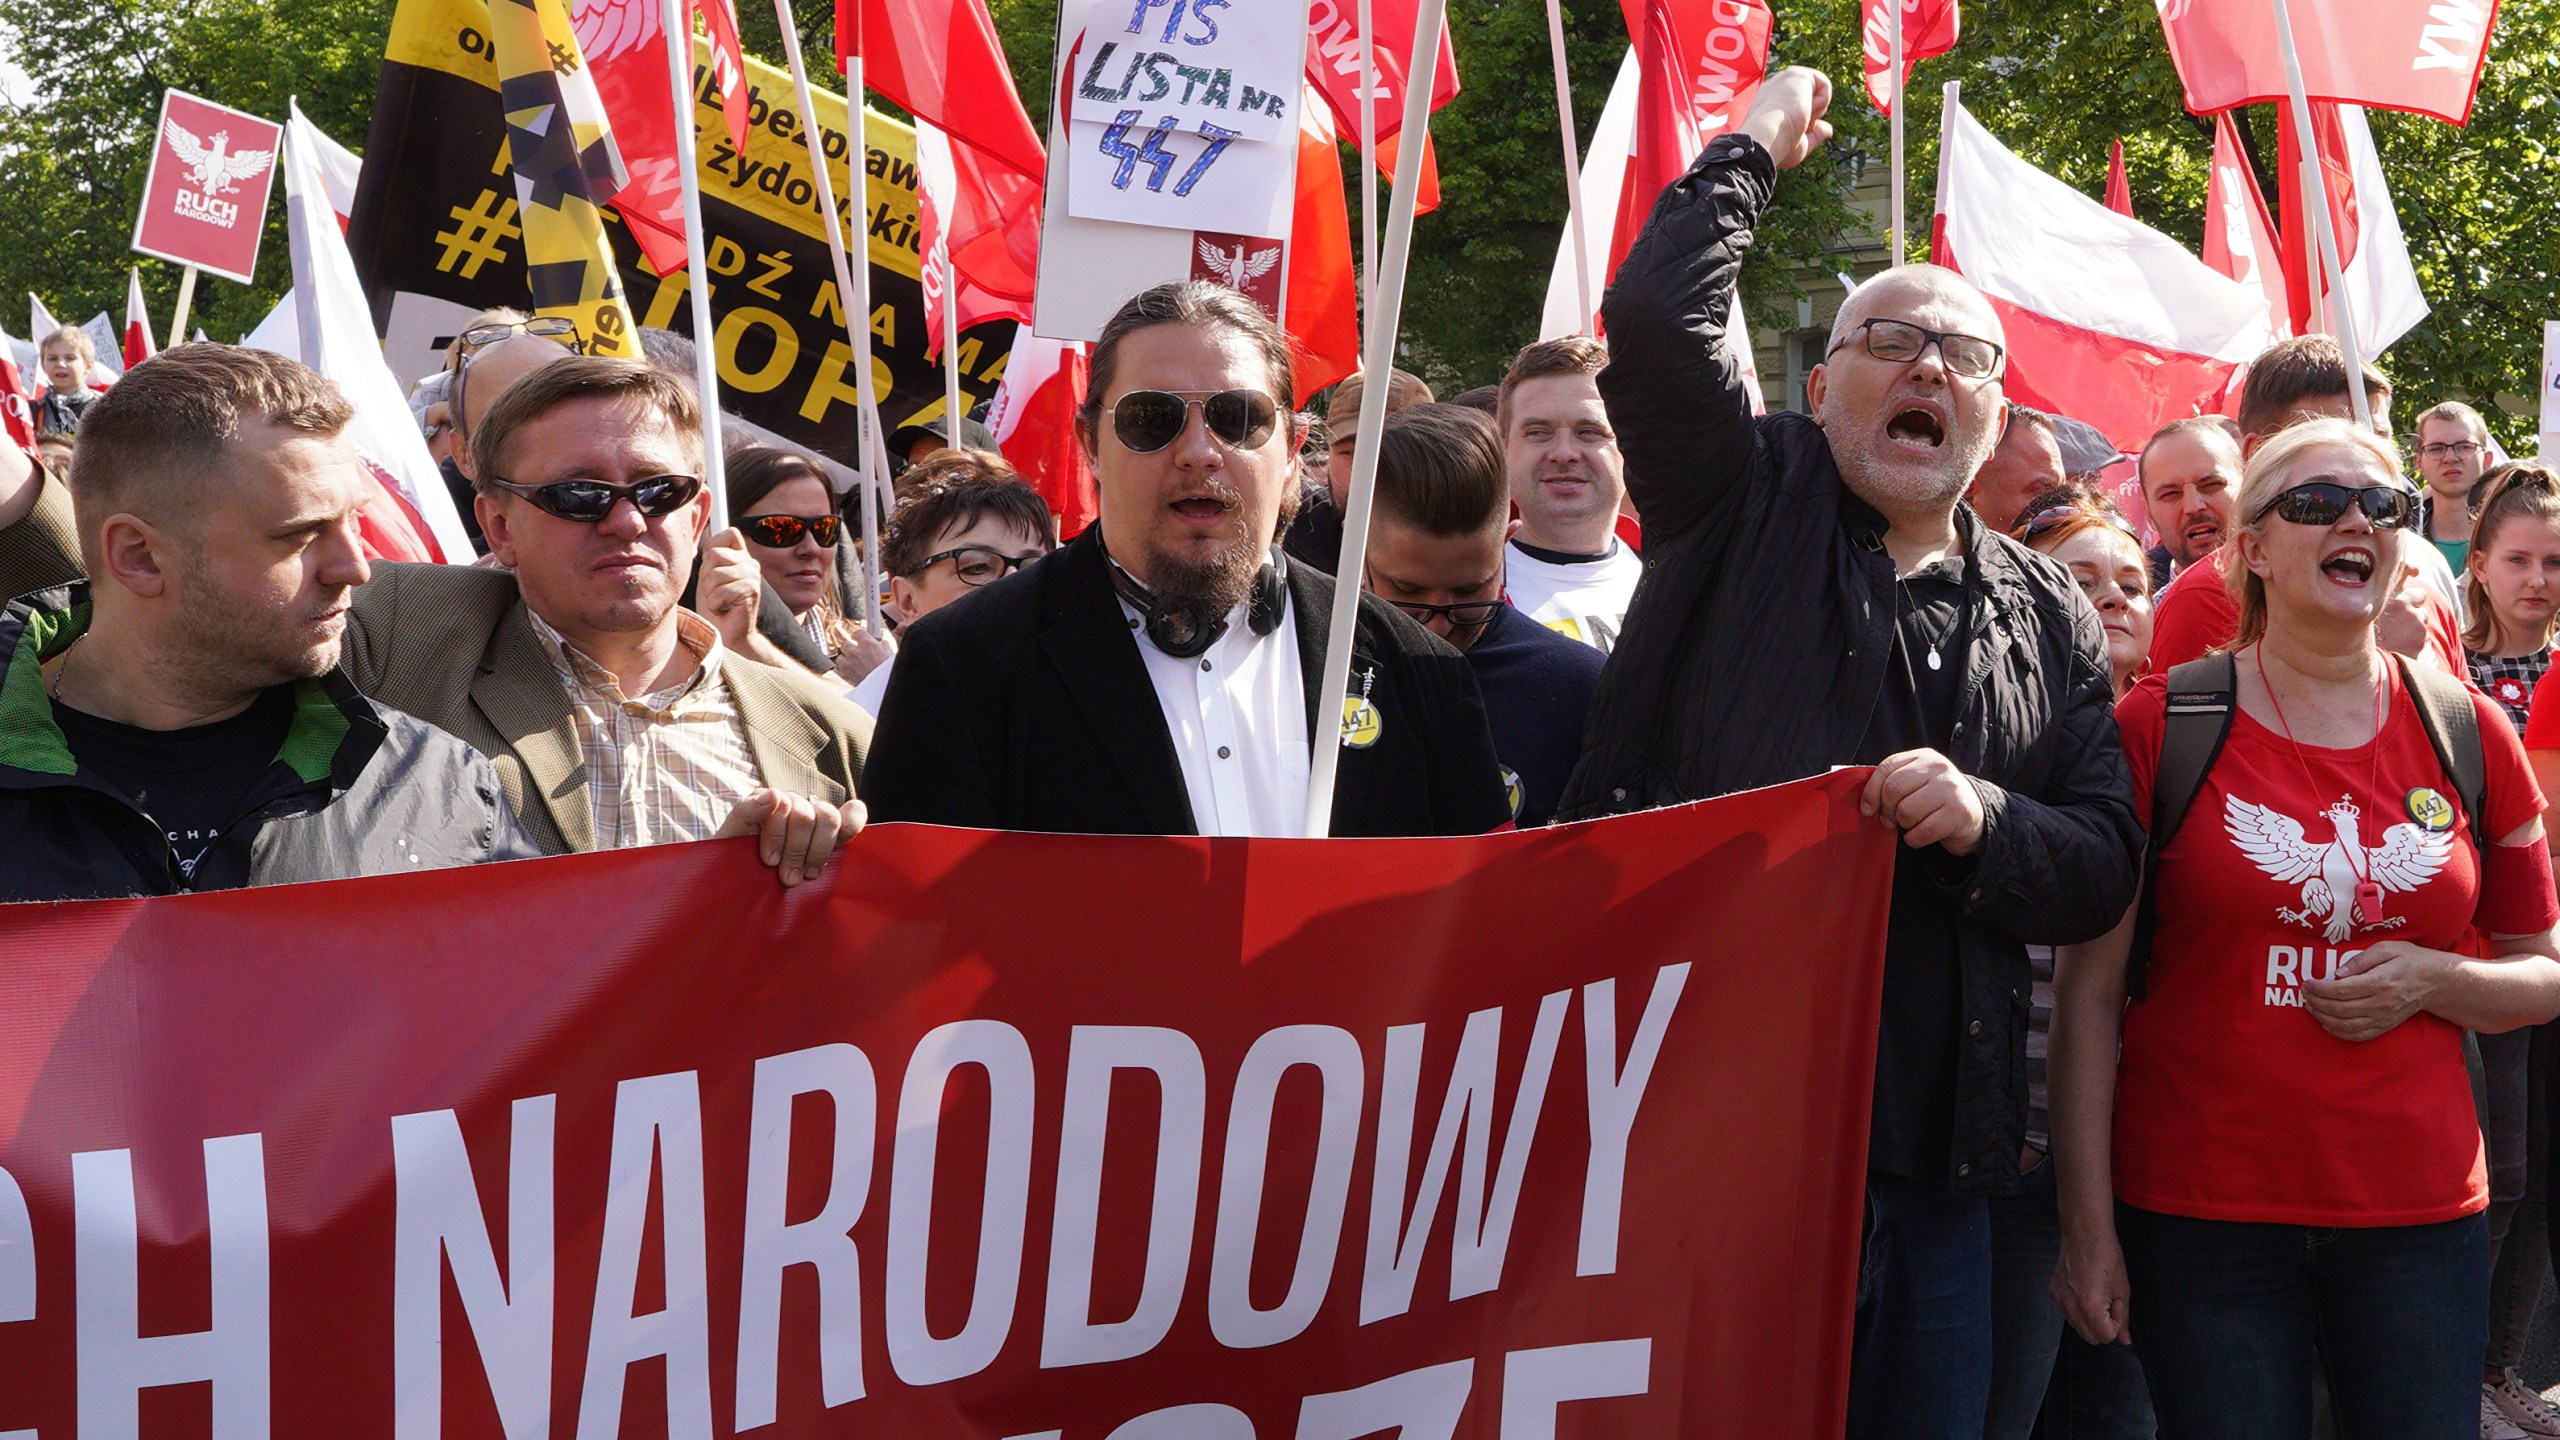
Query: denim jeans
pixel 2229 1314
pixel 2083 1391
pixel 1920 1360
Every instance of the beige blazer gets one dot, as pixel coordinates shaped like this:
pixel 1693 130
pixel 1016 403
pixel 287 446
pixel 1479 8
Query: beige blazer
pixel 452 645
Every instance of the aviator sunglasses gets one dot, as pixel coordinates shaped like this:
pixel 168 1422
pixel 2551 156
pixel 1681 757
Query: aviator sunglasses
pixel 588 502
pixel 1146 421
pixel 781 532
pixel 2322 502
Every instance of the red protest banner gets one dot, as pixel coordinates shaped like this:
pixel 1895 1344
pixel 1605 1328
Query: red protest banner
pixel 2423 56
pixel 1548 1134
pixel 205 200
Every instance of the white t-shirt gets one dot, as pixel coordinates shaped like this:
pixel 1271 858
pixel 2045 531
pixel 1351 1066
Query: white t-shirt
pixel 1584 600
pixel 1238 714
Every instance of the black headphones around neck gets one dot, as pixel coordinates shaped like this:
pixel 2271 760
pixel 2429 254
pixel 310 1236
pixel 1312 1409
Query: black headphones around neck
pixel 1182 630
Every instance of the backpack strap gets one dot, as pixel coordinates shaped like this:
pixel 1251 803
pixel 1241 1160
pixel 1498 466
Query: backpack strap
pixel 2202 695
pixel 2453 728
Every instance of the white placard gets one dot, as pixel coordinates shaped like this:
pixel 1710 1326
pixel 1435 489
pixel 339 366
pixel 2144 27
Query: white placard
pixel 2551 388
pixel 1183 114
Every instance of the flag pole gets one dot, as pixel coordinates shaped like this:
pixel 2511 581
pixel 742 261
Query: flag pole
pixel 1572 165
pixel 186 297
pixel 866 415
pixel 2315 192
pixel 1369 167
pixel 1899 105
pixel 951 411
pixel 676 18
pixel 1325 741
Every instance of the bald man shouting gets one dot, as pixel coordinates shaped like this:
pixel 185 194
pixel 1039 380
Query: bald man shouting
pixel 1815 596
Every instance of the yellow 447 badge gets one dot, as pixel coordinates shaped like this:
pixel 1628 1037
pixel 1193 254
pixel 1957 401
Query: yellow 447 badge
pixel 2432 812
pixel 1362 722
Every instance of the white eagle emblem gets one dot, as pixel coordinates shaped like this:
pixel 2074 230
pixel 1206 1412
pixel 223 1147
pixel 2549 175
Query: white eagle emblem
pixel 607 28
pixel 2172 11
pixel 1235 270
pixel 214 169
pixel 2409 856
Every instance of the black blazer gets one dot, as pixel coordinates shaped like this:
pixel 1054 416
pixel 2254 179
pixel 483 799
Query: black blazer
pixel 1026 706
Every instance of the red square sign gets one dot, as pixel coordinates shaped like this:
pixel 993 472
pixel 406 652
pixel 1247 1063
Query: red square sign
pixel 206 201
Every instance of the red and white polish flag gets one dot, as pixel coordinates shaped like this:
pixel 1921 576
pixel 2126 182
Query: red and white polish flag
pixel 2239 235
pixel 1033 420
pixel 2419 55
pixel 2379 284
pixel 138 345
pixel 1929 28
pixel 2107 319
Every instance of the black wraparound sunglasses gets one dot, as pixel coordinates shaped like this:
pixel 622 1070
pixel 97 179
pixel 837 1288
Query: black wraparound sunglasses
pixel 589 501
pixel 2324 502
pixel 1146 421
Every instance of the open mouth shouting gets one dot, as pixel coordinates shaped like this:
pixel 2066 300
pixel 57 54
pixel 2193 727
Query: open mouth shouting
pixel 1205 510
pixel 2351 567
pixel 1917 427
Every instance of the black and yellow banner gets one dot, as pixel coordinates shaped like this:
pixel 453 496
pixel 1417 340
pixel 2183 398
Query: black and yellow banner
pixel 437 233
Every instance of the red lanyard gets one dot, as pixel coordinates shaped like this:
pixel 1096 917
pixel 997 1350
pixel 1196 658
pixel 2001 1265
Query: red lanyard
pixel 2368 893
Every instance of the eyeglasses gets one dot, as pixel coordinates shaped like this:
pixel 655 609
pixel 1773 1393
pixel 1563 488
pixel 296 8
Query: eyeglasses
pixel 2451 450
pixel 2324 502
pixel 588 502
pixel 1901 341
pixel 781 532
pixel 552 326
pixel 1465 615
pixel 978 565
pixel 1148 420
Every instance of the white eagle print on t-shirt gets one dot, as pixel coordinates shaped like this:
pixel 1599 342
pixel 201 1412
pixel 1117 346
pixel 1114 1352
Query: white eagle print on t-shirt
pixel 2329 872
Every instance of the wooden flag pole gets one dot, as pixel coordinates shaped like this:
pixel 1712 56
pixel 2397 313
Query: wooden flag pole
pixel 2315 194
pixel 852 295
pixel 1900 104
pixel 1572 166
pixel 186 297
pixel 676 17
pixel 1325 742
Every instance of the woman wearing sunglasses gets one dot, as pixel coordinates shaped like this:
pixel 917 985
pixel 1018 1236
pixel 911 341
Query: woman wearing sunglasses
pixel 2274 1150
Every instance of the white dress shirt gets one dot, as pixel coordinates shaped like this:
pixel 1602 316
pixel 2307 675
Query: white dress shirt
pixel 1238 714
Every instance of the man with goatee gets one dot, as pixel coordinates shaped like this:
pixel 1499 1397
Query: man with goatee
pixel 1160 673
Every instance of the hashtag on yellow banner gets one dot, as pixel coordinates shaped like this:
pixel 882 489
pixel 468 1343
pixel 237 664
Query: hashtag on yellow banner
pixel 563 156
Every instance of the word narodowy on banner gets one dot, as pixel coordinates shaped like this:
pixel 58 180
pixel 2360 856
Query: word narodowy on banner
pixel 1558 1133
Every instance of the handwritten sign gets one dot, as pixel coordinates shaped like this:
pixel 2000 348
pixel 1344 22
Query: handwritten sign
pixel 1184 114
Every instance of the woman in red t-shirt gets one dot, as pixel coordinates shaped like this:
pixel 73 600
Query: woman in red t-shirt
pixel 2275 1150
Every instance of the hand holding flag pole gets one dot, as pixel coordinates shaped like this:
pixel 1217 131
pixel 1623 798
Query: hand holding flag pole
pixel 2315 190
pixel 853 294
pixel 676 18
pixel 1326 740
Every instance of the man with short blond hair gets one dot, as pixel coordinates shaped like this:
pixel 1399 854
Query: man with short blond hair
pixel 182 721
pixel 1569 570
pixel 2452 452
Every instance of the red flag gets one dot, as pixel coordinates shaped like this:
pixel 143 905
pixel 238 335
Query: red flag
pixel 1323 302
pixel 17 417
pixel 2119 184
pixel 2239 235
pixel 1333 63
pixel 1699 62
pixel 728 65
pixel 2381 286
pixel 2300 261
pixel 1928 28
pixel 977 204
pixel 1426 189
pixel 2420 55
pixel 940 60
pixel 137 322
pixel 1033 418
pixel 626 52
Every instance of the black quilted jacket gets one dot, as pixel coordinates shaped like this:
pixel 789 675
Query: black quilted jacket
pixel 1756 649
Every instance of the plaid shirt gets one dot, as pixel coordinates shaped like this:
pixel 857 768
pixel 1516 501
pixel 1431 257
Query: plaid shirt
pixel 2509 680
pixel 665 767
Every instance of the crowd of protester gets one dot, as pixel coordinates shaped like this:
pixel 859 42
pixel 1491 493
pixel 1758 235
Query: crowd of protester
pixel 2211 1085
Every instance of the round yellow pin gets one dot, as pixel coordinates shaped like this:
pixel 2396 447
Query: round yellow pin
pixel 1361 722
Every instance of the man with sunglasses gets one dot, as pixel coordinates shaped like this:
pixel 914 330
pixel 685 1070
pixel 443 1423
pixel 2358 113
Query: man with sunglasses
pixel 1437 553
pixel 1158 674
pixel 613 717
pixel 1815 595
pixel 971 523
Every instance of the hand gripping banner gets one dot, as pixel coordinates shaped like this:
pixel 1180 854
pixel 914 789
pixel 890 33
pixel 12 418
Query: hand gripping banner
pixel 1558 1133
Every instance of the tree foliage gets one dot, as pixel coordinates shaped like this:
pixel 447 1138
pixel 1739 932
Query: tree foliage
pixel 2054 81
